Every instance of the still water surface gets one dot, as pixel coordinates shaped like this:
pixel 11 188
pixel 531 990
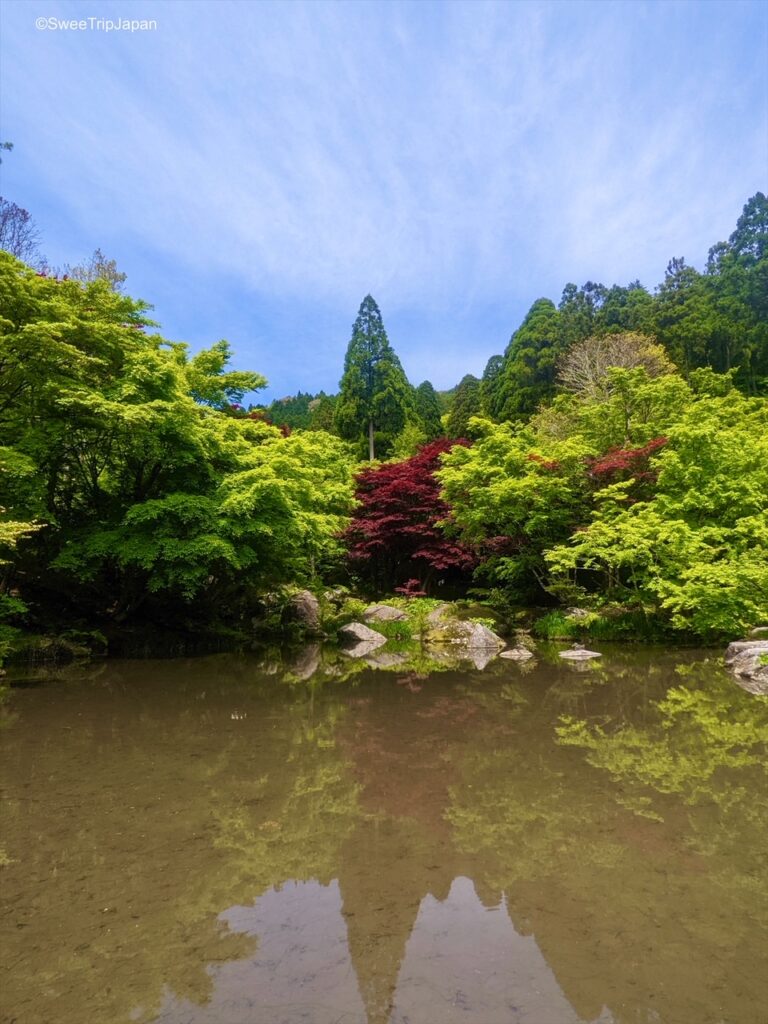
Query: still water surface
pixel 235 839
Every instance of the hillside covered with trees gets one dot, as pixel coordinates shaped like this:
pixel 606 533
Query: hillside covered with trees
pixel 615 457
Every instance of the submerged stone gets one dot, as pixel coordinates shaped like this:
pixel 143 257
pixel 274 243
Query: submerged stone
pixel 579 653
pixel 517 654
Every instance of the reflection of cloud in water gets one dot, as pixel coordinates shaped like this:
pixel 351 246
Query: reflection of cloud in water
pixel 463 963
pixel 300 974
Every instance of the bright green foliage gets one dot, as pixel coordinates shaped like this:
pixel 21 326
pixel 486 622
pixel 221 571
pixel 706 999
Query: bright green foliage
pixel 285 512
pixel 375 396
pixel 467 402
pixel 696 554
pixel 685 543
pixel 428 411
pixel 125 455
pixel 515 501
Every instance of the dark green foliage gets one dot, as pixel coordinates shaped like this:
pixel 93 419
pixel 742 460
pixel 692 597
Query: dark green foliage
pixel 530 362
pixel 467 402
pixel 490 387
pixel 375 397
pixel 428 411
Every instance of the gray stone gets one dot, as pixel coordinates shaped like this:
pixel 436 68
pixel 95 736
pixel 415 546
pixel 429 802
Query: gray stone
pixel 305 662
pixel 577 613
pixel 472 636
pixel 748 660
pixel 356 633
pixel 438 615
pixel 479 658
pixel 756 683
pixel 517 654
pixel 362 649
pixel 579 653
pixel 384 613
pixel 386 659
pixel 739 647
pixel 303 608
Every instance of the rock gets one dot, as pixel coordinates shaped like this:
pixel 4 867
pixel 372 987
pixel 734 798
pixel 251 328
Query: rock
pixel 577 613
pixel 438 615
pixel 738 647
pixel 306 662
pixel 756 682
pixel 386 659
pixel 480 658
pixel 303 608
pixel 362 649
pixel 579 653
pixel 517 654
pixel 748 660
pixel 472 636
pixel 759 631
pixel 356 633
pixel 384 613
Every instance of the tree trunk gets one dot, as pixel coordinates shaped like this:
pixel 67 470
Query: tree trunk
pixel 371 455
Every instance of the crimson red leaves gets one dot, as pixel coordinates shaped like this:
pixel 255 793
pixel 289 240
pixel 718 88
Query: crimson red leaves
pixel 620 463
pixel 394 538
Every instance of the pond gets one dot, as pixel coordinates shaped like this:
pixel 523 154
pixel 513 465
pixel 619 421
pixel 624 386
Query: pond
pixel 299 839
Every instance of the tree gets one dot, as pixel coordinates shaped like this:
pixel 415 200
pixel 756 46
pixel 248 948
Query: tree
pixel 395 534
pixel 127 485
pixel 18 232
pixel 694 554
pixel 375 395
pixel 584 367
pixel 467 402
pixel 579 308
pixel 528 374
pixel 490 386
pixel 428 410
pixel 97 268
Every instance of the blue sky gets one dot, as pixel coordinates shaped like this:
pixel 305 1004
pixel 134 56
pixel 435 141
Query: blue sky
pixel 257 168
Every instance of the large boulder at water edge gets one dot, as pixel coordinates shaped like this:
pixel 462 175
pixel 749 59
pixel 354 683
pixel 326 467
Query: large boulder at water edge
pixel 748 660
pixel 473 636
pixel 303 609
pixel 360 641
pixel 384 613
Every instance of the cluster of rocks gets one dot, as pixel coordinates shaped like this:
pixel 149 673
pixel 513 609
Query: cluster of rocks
pixel 444 634
pixel 748 660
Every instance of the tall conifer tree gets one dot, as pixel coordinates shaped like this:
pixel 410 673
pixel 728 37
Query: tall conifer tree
pixel 428 410
pixel 375 396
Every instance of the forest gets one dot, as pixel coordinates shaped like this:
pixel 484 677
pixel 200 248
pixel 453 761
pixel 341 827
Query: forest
pixel 614 457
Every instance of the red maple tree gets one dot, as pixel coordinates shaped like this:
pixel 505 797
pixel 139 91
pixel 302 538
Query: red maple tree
pixel 394 538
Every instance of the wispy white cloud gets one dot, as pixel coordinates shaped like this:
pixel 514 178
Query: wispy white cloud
pixel 442 157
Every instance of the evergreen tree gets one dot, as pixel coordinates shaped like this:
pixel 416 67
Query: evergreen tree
pixel 490 387
pixel 466 403
pixel 428 410
pixel 529 371
pixel 375 395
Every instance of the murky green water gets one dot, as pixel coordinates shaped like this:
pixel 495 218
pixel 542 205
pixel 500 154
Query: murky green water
pixel 214 841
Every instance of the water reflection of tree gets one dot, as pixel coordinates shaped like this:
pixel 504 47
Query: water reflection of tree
pixel 394 791
pixel 153 809
pixel 595 880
